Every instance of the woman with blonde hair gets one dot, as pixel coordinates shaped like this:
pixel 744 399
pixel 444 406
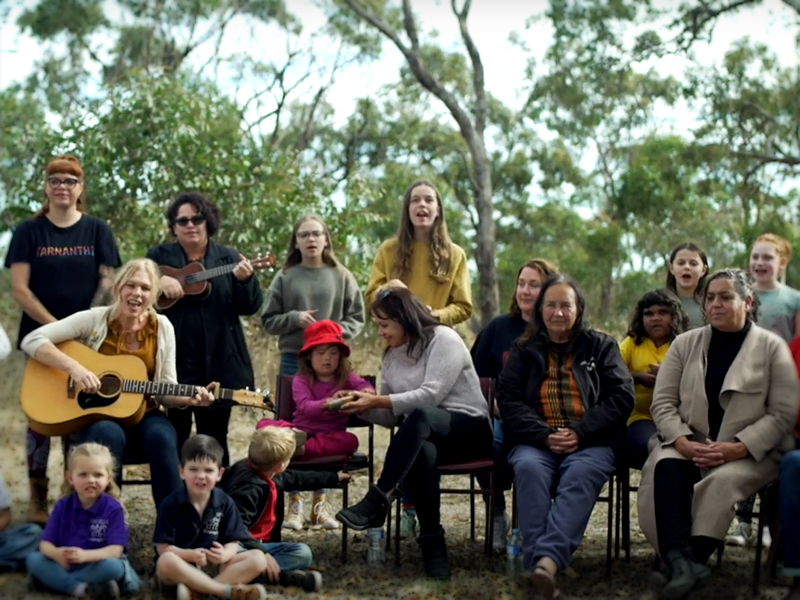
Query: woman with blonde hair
pixel 312 286
pixel 129 326
pixel 62 261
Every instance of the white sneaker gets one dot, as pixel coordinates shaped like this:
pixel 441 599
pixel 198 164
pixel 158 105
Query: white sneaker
pixel 740 536
pixel 320 517
pixel 766 538
pixel 502 525
pixel 294 520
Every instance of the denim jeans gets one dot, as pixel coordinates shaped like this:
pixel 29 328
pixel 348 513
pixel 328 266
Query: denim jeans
pixel 16 543
pixel 153 438
pixel 289 556
pixel 639 434
pixel 554 528
pixel 790 512
pixel 65 581
pixel 289 365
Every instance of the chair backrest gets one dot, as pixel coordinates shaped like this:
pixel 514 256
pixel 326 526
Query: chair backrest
pixel 487 389
pixel 284 409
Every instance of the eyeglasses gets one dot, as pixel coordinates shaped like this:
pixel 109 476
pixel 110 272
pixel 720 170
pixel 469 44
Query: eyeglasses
pixel 69 182
pixel 307 234
pixel 195 220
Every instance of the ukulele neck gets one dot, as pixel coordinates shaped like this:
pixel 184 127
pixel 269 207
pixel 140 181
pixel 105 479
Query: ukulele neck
pixel 209 273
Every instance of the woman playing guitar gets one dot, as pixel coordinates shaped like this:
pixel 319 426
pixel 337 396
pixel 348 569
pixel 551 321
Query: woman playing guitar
pixel 211 344
pixel 129 326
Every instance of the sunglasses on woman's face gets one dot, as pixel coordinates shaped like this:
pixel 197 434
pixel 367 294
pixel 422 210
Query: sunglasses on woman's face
pixel 195 220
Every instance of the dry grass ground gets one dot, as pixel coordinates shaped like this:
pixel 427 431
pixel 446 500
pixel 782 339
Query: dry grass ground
pixel 474 576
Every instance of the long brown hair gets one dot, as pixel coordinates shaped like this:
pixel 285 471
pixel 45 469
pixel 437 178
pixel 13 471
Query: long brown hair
pixel 295 257
pixel 544 267
pixel 440 242
pixel 66 163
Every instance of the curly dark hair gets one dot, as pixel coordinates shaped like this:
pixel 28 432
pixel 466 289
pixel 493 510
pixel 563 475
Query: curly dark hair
pixel 399 304
pixel 203 205
pixel 744 285
pixel 537 326
pixel 661 297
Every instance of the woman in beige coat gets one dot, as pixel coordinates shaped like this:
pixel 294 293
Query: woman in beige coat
pixel 725 404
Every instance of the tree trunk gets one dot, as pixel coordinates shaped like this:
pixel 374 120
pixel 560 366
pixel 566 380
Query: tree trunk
pixel 488 300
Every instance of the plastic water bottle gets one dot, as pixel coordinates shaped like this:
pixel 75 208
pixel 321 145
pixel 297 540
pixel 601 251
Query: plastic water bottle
pixel 514 554
pixel 376 546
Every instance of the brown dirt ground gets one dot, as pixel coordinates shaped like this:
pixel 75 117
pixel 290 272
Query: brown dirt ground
pixel 474 576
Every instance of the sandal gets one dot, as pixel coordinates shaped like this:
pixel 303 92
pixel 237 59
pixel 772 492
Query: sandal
pixel 544 582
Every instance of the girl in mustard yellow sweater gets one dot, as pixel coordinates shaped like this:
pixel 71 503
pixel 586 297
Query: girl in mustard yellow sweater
pixel 424 259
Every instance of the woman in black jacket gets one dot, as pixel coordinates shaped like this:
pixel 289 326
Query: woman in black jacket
pixel 208 332
pixel 565 395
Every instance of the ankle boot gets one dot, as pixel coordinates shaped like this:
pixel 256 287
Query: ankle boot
pixel 369 512
pixel 682 577
pixel 434 555
pixel 37 513
pixel 309 581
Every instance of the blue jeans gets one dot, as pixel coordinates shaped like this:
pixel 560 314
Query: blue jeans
pixel 16 543
pixel 289 556
pixel 554 528
pixel 289 364
pixel 790 512
pixel 153 438
pixel 639 434
pixel 59 579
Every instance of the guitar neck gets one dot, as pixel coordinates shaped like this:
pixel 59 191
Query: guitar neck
pixel 133 386
pixel 211 273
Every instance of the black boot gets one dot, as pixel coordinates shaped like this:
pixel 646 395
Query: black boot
pixel 683 576
pixel 370 512
pixel 309 581
pixel 434 555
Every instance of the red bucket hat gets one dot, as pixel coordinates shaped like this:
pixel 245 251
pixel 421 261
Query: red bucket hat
pixel 324 332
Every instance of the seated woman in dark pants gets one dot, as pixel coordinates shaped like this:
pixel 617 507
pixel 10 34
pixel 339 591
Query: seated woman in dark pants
pixel 657 320
pixel 564 395
pixel 429 379
pixel 129 326
pixel 724 405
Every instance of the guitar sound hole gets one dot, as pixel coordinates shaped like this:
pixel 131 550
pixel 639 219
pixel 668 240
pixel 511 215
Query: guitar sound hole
pixel 110 388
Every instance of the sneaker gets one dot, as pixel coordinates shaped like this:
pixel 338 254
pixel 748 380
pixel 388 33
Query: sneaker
pixel 766 538
pixel 740 536
pixel 309 581
pixel 254 591
pixel 108 590
pixel 408 524
pixel 320 517
pixel 295 518
pixel 502 525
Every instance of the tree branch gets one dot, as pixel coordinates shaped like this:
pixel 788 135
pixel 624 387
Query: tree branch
pixel 697 19
pixel 478 76
pixel 763 159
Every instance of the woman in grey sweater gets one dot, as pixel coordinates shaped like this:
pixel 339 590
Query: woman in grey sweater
pixel 310 287
pixel 429 379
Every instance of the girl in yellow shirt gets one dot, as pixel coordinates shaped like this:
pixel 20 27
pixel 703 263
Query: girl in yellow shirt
pixel 423 258
pixel 659 319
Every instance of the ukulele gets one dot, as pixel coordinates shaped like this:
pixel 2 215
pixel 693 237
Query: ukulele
pixel 195 280
pixel 56 406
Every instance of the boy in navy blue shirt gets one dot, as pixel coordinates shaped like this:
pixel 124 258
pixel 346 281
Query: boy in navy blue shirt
pixel 200 526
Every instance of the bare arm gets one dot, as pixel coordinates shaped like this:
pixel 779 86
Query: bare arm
pixel 20 280
pixel 102 296
pixel 5 518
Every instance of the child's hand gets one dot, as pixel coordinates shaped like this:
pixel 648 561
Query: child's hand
pixel 273 571
pixel 74 556
pixel 218 555
pixel 61 557
pixel 198 556
pixel 343 476
pixel 342 393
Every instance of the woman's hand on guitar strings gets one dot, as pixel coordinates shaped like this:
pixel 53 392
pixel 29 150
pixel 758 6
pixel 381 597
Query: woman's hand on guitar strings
pixel 171 287
pixel 244 270
pixel 84 378
pixel 203 395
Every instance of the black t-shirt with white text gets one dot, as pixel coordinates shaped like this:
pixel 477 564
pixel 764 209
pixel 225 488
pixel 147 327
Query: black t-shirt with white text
pixel 65 263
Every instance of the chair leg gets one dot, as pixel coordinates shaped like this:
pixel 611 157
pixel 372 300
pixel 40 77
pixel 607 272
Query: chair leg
pixel 472 507
pixel 617 532
pixel 610 525
pixel 397 532
pixel 345 489
pixel 514 513
pixel 759 545
pixel 774 550
pixel 490 509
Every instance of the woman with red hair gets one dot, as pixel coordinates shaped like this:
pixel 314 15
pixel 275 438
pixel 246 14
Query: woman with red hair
pixel 62 261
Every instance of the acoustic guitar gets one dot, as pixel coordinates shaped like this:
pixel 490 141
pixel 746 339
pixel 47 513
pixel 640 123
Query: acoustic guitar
pixel 56 406
pixel 196 281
